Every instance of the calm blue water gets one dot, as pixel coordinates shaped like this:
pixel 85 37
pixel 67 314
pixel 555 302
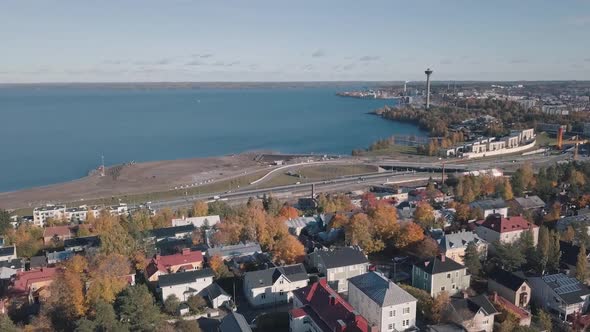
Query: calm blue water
pixel 54 134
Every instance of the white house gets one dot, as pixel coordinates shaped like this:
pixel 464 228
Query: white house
pixel 216 295
pixel 198 222
pixel 475 314
pixel 339 264
pixel 560 294
pixel 491 206
pixel 274 285
pixel 184 284
pixel 505 230
pixel 382 302
pixel 41 214
pixel 80 213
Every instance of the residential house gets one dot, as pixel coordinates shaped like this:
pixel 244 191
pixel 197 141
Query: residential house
pixel 37 262
pixel 423 195
pixel 7 253
pixel 41 214
pixel 296 225
pixel 84 243
pixel 187 260
pixel 58 256
pixel 120 209
pixel 198 222
pixel 559 294
pixel 8 269
pixel 505 229
pixel 234 322
pixel 491 206
pixel 184 284
pixel 339 264
pixel 439 274
pixel 525 204
pixel 275 285
pixel 510 286
pixel 445 327
pixel 319 308
pixel 56 234
pixel 382 302
pixel 579 220
pixel 175 232
pixel 33 284
pixel 569 257
pixel 216 295
pixel 523 316
pixel 453 245
pixel 236 250
pixel 475 314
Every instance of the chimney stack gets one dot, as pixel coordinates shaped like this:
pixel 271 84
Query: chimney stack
pixel 442 257
pixel 186 251
pixel 428 72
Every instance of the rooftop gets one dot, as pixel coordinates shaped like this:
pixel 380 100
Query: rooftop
pixel 530 202
pixel 25 279
pixel 439 264
pixel 57 231
pixel 468 307
pixel 458 240
pixel 7 251
pixel 343 256
pixel 503 225
pixel 268 277
pixel 198 221
pixel 234 250
pixel 184 277
pixel 507 279
pixel 234 322
pixel 569 289
pixel 171 231
pixel 489 204
pixel 381 290
pixel 164 263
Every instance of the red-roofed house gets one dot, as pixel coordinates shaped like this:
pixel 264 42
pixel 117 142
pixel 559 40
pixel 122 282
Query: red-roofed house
pixel 31 283
pixel 319 308
pixel 505 230
pixel 59 233
pixel 187 260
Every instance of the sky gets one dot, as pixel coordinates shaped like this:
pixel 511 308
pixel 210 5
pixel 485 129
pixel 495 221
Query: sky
pixel 302 40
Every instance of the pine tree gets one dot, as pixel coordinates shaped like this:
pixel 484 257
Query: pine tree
pixel 582 264
pixel 543 249
pixel 471 258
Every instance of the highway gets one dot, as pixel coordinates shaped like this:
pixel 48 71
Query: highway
pixel 300 190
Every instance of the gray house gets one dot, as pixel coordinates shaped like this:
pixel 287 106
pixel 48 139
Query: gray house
pixel 440 274
pixel 234 322
pixel 339 264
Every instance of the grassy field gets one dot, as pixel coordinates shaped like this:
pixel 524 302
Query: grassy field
pixel 543 140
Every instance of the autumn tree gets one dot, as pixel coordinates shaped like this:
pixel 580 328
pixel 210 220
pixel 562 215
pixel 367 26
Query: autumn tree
pixel 410 233
pixel 271 205
pixel 569 234
pixel 199 209
pixel 196 303
pixel 171 305
pixel 543 247
pixel 7 325
pixel 288 212
pixel 509 255
pixel 582 264
pixel 384 221
pixel 218 266
pixel 439 304
pixel 358 233
pixel 507 193
pixel 424 215
pixel 107 277
pixel 4 221
pixel 183 325
pixel 288 250
pixel 338 221
pixel 554 213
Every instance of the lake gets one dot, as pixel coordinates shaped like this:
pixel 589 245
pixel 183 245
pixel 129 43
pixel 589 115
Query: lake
pixel 51 134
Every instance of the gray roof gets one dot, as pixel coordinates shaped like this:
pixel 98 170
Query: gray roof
pixel 300 222
pixel 458 240
pixel 489 204
pixel 380 289
pixel 235 250
pixel 234 322
pixel 530 202
pixel 439 264
pixel 569 289
pixel 183 277
pixel 7 251
pixel 467 308
pixel 214 291
pixel 268 277
pixel 340 257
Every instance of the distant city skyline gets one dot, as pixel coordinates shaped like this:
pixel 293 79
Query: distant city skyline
pixel 182 40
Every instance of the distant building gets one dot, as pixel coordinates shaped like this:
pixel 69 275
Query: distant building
pixel 41 214
pixel 184 284
pixel 383 303
pixel 528 203
pixel 84 243
pixel 9 269
pixel 339 264
pixel 216 295
pixel 491 206
pixel 187 260
pixel 318 308
pixel 559 294
pixel 475 314
pixel 56 233
pixel 510 286
pixel 176 232
pixel 439 274
pixel 275 285
pixel 236 250
pixel 80 214
pixel 505 230
pixel 453 245
pixel 555 109
pixel 118 210
pixel 7 253
pixel 198 222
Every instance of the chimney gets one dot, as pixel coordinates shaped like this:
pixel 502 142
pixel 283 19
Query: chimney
pixel 341 327
pixel 495 297
pixel 332 300
pixel 157 257
pixel 186 251
pixel 465 295
pixel 442 257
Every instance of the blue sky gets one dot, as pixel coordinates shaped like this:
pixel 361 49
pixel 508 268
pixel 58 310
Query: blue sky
pixel 183 40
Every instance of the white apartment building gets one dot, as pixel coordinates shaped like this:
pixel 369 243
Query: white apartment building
pixel 382 302
pixel 184 284
pixel 41 214
pixel 80 213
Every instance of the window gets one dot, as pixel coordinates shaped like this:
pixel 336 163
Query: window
pixel 391 313
pixel 390 327
pixel 442 288
pixel 281 293
pixel 406 310
pixel 405 322
pixel 486 321
pixel 281 282
pixel 263 296
pixel 453 286
pixel 448 276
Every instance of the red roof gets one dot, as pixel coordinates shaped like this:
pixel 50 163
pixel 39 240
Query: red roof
pixel 328 309
pixel 187 259
pixel 57 231
pixel 25 279
pixel 518 311
pixel 504 225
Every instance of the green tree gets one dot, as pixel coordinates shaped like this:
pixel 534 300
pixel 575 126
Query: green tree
pixel 509 255
pixel 472 258
pixel 554 252
pixel 4 221
pixel 6 324
pixel 171 305
pixel 85 325
pixel 137 309
pixel 507 193
pixel 196 303
pixel 582 264
pixel 544 320
pixel 187 326
pixel 543 247
pixel 271 205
